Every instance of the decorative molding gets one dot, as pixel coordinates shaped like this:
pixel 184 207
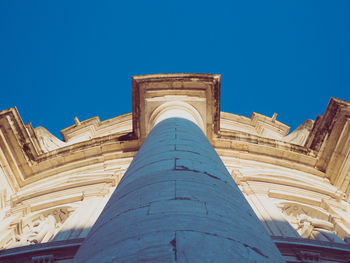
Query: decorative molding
pixel 269 127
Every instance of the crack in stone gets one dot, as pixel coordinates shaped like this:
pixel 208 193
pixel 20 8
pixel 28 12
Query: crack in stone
pixel 212 176
pixel 255 249
pixel 182 198
pixel 184 168
pixel 175 165
pixel 173 243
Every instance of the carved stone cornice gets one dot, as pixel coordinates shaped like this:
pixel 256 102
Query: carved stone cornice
pixel 330 136
pixel 24 162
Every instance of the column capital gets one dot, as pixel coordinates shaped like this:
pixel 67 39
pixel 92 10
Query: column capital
pixel 195 97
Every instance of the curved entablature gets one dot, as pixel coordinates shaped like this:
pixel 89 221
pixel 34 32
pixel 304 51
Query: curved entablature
pixel 31 154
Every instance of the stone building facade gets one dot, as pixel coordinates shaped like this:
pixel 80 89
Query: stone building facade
pixel 53 192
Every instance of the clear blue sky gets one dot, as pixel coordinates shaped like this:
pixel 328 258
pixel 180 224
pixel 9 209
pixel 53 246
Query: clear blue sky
pixel 60 59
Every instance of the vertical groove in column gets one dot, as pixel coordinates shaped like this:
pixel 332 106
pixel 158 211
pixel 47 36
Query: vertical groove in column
pixel 177 203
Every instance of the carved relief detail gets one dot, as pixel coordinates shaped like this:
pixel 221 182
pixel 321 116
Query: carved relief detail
pixel 310 222
pixel 47 141
pixel 38 228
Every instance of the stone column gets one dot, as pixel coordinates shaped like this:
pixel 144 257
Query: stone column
pixel 177 203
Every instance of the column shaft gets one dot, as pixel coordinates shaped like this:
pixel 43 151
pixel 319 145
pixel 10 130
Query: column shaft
pixel 177 203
